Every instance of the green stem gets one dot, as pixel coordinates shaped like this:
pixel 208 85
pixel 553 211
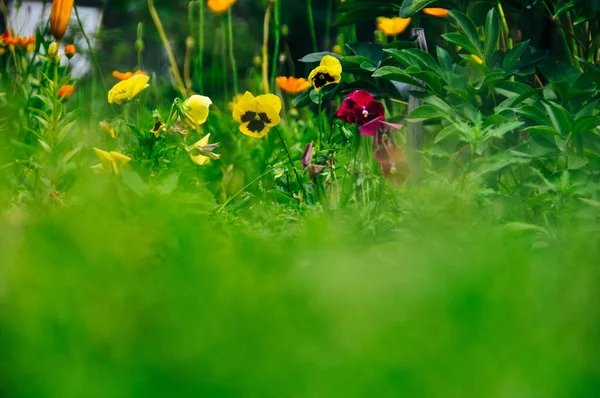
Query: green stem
pixel 291 161
pixel 277 23
pixel 243 189
pixel 224 56
pixel 311 25
pixel 328 17
pixel 574 48
pixel 505 29
pixel 232 52
pixel 319 119
pixel 200 60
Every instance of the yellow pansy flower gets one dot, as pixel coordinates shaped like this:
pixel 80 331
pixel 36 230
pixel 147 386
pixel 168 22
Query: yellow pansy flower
pixel 196 109
pixel 329 71
pixel 111 160
pixel 204 150
pixel 392 26
pixel 126 90
pixel 257 115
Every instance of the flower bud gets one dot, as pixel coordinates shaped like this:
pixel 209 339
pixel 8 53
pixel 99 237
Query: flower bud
pixel 257 61
pixel 189 42
pixel 70 50
pixel 285 30
pixel 53 49
pixel 60 16
pixel 139 45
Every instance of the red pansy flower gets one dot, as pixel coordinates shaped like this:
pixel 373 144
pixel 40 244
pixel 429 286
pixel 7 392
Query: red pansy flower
pixel 359 108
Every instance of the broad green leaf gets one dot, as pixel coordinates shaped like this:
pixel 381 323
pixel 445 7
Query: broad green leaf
pixel 559 116
pixel 577 162
pixel 444 60
pixel 425 59
pixel 499 131
pixel 426 112
pixel 462 41
pixel 411 7
pixel 431 79
pixel 534 113
pixel 511 58
pixel 433 100
pixel 546 131
pixel 316 57
pixel 44 145
pixel 468 27
pixel 586 124
pixel 445 133
pixel 533 149
pixel 492 35
pixel 397 74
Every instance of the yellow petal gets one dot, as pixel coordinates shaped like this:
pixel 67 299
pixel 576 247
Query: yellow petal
pixel 104 156
pixel 118 161
pixel 125 90
pixel 270 100
pixel 333 65
pixel 197 109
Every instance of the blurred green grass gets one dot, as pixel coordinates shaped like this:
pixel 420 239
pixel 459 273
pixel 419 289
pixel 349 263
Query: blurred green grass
pixel 158 296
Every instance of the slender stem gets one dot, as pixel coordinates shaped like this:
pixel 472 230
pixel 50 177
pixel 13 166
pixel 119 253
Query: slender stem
pixel 291 161
pixel 139 44
pixel 319 119
pixel 328 17
pixel 200 60
pixel 167 45
pixel 224 56
pixel 508 40
pixel 232 52
pixel 92 51
pixel 311 25
pixel 573 37
pixel 277 22
pixel 243 189
pixel 265 46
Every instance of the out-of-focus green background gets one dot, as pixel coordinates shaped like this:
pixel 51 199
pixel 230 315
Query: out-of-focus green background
pixel 160 297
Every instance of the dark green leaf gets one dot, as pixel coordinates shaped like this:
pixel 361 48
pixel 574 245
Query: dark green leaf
pixel 425 112
pixel 462 41
pixel 492 35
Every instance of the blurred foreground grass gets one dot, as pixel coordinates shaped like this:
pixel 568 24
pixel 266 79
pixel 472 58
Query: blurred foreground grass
pixel 118 296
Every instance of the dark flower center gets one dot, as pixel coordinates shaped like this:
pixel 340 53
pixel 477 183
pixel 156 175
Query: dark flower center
pixel 256 121
pixel 322 79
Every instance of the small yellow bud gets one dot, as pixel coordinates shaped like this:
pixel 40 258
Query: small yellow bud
pixel 189 42
pixel 139 45
pixel 53 49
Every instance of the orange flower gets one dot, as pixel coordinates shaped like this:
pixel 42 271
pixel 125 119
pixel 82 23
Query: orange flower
pixel 392 26
pixel 220 6
pixel 127 75
pixel 60 14
pixel 70 50
pixel 292 85
pixel 66 91
pixel 436 12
